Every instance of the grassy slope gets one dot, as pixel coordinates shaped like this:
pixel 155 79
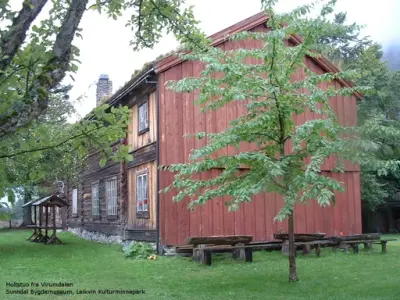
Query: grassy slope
pixel 93 266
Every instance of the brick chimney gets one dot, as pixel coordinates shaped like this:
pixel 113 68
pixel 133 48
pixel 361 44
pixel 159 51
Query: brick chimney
pixel 104 88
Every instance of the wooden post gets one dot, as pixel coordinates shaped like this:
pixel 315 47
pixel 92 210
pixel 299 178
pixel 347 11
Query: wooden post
pixel 306 249
pixel 318 250
pixel 40 216
pixel 383 243
pixel 285 247
pixel 198 253
pixel 367 245
pixel 355 248
pixel 239 253
pixel 248 254
pixel 39 236
pixel 207 257
pixel 54 220
pixel 47 221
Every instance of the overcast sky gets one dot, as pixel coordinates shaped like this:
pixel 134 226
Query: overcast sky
pixel 105 45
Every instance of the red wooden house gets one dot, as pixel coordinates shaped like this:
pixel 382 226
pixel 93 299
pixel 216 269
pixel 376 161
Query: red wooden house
pixel 123 199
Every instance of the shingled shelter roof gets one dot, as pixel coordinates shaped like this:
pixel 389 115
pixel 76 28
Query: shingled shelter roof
pixel 52 200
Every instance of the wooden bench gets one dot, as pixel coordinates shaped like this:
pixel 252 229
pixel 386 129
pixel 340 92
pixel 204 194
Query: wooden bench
pixel 315 244
pixel 208 251
pixel 383 243
pixel 367 244
pixel 204 246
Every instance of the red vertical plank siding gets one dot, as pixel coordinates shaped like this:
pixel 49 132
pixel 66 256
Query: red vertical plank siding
pixel 174 101
pixel 334 211
pixel 357 202
pixel 217 210
pixel 220 117
pixel 163 198
pixel 184 105
pixel 178 115
pixel 188 114
pixel 344 208
pixel 279 204
pixel 199 126
pixel 349 203
pixel 259 204
pixel 240 217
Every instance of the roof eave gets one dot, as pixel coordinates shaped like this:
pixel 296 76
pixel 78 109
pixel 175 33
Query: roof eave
pixel 127 88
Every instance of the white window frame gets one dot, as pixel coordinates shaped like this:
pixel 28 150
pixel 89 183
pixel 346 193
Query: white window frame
pixel 95 199
pixel 142 187
pixel 112 196
pixel 143 116
pixel 75 201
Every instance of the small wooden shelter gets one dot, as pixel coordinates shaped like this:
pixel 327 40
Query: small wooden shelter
pixel 44 204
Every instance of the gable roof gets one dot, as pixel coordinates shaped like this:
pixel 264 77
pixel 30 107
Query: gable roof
pixel 247 24
pixel 171 60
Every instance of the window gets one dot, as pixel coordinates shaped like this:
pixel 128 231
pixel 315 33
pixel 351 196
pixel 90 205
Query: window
pixel 95 199
pixel 75 201
pixel 143 117
pixel 142 206
pixel 111 195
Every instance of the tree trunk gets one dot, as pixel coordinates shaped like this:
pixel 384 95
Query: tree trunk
pixel 52 74
pixel 27 210
pixel 292 251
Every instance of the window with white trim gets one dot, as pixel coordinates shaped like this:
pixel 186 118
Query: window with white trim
pixel 111 196
pixel 141 193
pixel 95 199
pixel 75 201
pixel 143 111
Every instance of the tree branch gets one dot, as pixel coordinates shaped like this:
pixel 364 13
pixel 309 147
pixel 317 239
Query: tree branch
pixel 177 25
pixel 36 101
pixel 16 35
pixel 85 133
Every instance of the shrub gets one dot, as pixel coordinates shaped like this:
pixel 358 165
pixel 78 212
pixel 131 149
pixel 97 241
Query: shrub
pixel 138 250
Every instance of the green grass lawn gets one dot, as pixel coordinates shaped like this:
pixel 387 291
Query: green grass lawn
pixel 89 265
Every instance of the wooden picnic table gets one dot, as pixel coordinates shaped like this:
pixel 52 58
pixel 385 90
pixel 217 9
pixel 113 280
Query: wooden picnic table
pixel 204 246
pixel 303 240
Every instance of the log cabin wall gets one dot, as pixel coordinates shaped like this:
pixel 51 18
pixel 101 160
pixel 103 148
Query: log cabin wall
pixel 178 116
pixel 143 146
pixel 85 219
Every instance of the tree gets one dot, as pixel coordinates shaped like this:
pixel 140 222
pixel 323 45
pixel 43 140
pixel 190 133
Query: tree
pixel 51 149
pixel 379 122
pixel 378 113
pixel 344 45
pixel 5 211
pixel 34 59
pixel 272 101
pixel 30 68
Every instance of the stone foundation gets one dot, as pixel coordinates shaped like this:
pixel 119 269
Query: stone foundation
pixel 96 236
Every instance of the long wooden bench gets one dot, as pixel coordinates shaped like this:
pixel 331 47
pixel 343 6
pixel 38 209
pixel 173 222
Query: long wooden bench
pixel 205 257
pixel 315 244
pixel 203 246
pixel 367 244
pixel 268 246
pixel 383 243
